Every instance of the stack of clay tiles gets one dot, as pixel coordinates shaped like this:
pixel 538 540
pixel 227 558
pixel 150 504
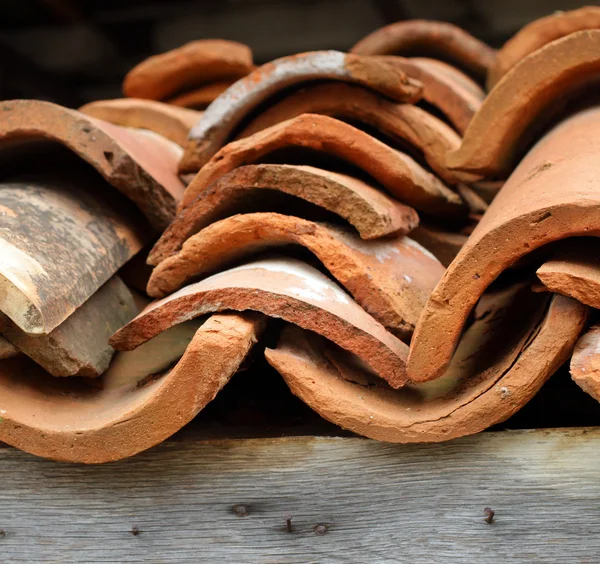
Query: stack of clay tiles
pixel 326 194
pixel 79 199
pixel 319 202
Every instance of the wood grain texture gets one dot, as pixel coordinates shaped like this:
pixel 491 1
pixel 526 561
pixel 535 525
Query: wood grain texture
pixel 379 502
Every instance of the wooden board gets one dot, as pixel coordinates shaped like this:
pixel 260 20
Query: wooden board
pixel 378 502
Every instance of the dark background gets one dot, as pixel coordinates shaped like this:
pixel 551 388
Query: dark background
pixel 75 51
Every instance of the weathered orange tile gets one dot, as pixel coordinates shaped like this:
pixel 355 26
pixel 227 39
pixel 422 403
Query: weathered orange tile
pixel 552 195
pixel 403 125
pixel 281 288
pixel 538 33
pixel 470 398
pixel 170 122
pixel 220 120
pixel 440 40
pixel 397 172
pixel 145 396
pixel 258 188
pixel 140 164
pixel 187 67
pixel 526 99
pixel 79 345
pixel 390 278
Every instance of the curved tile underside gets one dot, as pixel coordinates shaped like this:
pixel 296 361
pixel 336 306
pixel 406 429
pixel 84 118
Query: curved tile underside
pixel 145 396
pixel 201 62
pixel 398 173
pixel 532 94
pixel 252 188
pixel 472 395
pixel 219 121
pixel 140 164
pixel 171 122
pixel 282 288
pixel 538 33
pixel 390 278
pixel 440 40
pixel 552 195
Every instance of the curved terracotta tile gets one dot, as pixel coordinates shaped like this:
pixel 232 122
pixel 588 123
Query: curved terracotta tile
pixel 281 288
pixel 552 195
pixel 195 63
pixel 140 164
pixel 468 401
pixel 405 124
pixel 200 98
pixel 390 278
pixel 441 89
pixel 440 40
pixel 168 121
pixel 574 271
pixel 250 187
pixel 585 362
pixel 444 245
pixel 79 345
pixel 451 72
pixel 524 100
pixel 60 240
pixel 538 33
pixel 398 173
pixel 220 120
pixel 143 398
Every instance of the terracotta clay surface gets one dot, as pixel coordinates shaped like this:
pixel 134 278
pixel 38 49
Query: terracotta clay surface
pixel 79 345
pixel 168 121
pixel 524 100
pixel 140 164
pixel 398 173
pixel 251 187
pixel 146 395
pixel 200 98
pixel 585 362
pixel 187 67
pixel 443 244
pixel 222 117
pixel 281 288
pixel 391 278
pixel 458 100
pixel 7 350
pixel 403 124
pixel 437 67
pixel 552 195
pixel 60 240
pixel 538 33
pixel 574 271
pixel 469 399
pixel 439 40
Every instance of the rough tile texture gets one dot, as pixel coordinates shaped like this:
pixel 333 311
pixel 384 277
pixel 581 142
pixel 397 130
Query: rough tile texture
pixel 79 345
pixel 250 188
pixel 390 278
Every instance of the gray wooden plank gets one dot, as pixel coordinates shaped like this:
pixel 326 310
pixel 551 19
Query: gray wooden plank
pixel 379 502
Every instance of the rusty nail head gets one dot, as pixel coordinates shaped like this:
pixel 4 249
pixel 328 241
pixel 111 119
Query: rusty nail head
pixel 321 529
pixel 240 510
pixel 135 531
pixel 490 515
